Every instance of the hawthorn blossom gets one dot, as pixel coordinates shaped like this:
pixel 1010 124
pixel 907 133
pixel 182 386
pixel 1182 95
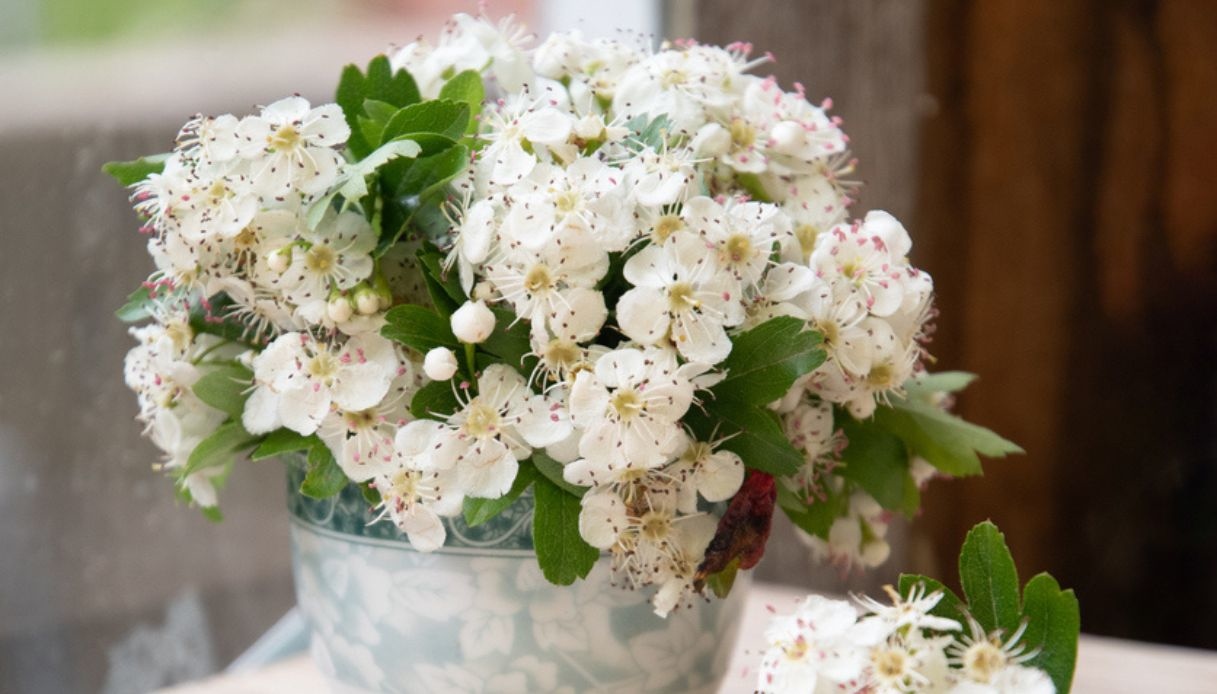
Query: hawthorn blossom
pixel 417 488
pixel 291 146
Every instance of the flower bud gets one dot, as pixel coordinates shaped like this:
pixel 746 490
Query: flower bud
pixel 472 323
pixel 440 364
pixel 278 261
pixel 788 136
pixel 366 300
pixel 712 140
pixel 339 309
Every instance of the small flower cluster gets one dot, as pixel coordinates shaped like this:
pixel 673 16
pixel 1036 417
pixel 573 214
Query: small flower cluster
pixel 832 645
pixel 623 215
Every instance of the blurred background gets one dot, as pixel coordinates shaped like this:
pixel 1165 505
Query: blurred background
pixel 1055 163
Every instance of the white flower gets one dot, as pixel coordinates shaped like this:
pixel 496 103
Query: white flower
pixel 417 488
pixel 586 195
pixel 298 378
pixel 988 664
pixel 912 611
pixel 362 440
pixel 489 434
pixel 291 146
pixel 716 475
pixel 857 539
pixel 472 323
pixel 819 648
pixel 628 409
pixel 870 257
pixel 509 128
pixel 660 178
pixel 468 43
pixel 678 295
pixel 440 364
pixel 740 236
pixel 335 256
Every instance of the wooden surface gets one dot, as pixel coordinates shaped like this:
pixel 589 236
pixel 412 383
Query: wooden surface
pixel 1105 666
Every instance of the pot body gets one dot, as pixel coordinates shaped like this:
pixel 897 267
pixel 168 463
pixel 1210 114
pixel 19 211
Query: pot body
pixel 478 616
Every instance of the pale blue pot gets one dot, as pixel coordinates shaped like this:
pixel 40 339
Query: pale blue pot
pixel 477 616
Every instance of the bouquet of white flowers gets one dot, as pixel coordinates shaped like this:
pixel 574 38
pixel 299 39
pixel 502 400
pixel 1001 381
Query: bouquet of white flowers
pixel 626 279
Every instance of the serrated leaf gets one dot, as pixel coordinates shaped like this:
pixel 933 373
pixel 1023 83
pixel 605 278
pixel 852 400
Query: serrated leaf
pixel 442 117
pixel 419 328
pixel 383 84
pixel 766 360
pixel 989 579
pixel 434 401
pixel 224 387
pixel 466 87
pixel 428 176
pixel 219 448
pixel 755 434
pixel 950 606
pixel 378 115
pixel 282 441
pixel 552 471
pixel 562 553
pixel 1054 621
pixel 128 173
pixel 137 306
pixel 878 462
pixel 947 442
pixel 323 478
pixel 478 511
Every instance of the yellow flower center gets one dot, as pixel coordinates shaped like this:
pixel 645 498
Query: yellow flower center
pixel 737 249
pixel 697 452
pixel 626 403
pixel 481 420
pixel 666 225
pixel 742 133
pixel 982 660
pixel 655 526
pixel 881 376
pixel 323 366
pixel 538 279
pixel 320 259
pixel 806 235
pixel 283 138
pixel 567 202
pixel 360 420
pixel 890 664
pixel 680 297
pixel 562 353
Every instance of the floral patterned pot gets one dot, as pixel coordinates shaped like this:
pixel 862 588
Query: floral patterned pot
pixel 477 616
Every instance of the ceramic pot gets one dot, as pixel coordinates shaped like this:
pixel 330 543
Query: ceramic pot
pixel 477 615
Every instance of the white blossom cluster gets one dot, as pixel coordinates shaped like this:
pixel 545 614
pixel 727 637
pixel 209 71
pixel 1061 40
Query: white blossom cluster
pixel 830 645
pixel 636 208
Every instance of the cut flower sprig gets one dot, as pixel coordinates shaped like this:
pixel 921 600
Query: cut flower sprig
pixel 625 280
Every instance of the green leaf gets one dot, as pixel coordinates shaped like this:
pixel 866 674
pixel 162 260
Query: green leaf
pixel 419 328
pixel 466 87
pixel 815 518
pixel 509 340
pixel 324 478
pixel 721 583
pixel 353 184
pixel 281 441
pixel 447 118
pixel 1054 621
pixel 429 176
pixel 443 286
pixel 941 382
pixel 478 511
pixel 944 440
pixel 756 435
pixel 989 579
pixel 552 471
pixel 383 84
pixel 137 307
pixel 561 551
pixel 434 400
pixel 219 448
pixel 878 462
pixel 950 606
pixel 371 495
pixel 766 360
pixel 128 173
pixel 380 83
pixel 224 387
pixel 372 127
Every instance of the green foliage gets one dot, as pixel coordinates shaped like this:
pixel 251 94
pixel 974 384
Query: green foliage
pixel 378 84
pixel 767 359
pixel 552 471
pixel 878 463
pixel 722 582
pixel 219 449
pixel 443 287
pixel 815 518
pixel 224 387
pixel 466 87
pixel 447 118
pixel 282 441
pixel 324 478
pixel 653 133
pixel 562 553
pixel 478 511
pixel 418 328
pixel 755 433
pixel 137 308
pixel 991 587
pixel 128 173
pixel 434 400
pixel 509 341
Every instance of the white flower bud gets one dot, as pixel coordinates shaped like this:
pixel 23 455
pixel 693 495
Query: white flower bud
pixel 484 291
pixel 590 127
pixel 339 309
pixel 366 301
pixel 279 260
pixel 788 136
pixel 711 141
pixel 440 364
pixel 473 322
